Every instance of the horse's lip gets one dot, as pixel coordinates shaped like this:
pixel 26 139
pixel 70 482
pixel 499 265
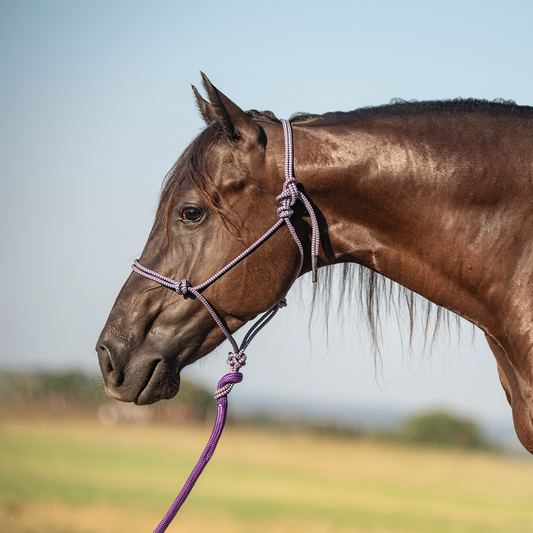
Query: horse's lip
pixel 112 394
pixel 159 386
pixel 153 390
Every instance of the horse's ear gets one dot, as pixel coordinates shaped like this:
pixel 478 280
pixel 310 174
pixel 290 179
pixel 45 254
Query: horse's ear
pixel 235 122
pixel 206 109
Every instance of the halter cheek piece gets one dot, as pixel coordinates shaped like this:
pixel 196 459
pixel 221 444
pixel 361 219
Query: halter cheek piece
pixel 237 359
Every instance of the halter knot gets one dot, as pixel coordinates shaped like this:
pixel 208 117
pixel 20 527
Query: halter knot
pixel 282 303
pixel 287 199
pixel 182 287
pixel 285 211
pixel 236 360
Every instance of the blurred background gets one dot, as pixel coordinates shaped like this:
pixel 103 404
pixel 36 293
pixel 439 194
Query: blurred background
pixel 96 106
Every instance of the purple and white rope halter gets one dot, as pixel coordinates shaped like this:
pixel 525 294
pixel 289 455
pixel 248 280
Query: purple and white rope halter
pixel 237 359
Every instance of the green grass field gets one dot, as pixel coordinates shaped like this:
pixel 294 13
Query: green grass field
pixel 77 476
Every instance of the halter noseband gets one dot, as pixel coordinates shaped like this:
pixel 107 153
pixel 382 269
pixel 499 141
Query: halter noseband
pixel 237 359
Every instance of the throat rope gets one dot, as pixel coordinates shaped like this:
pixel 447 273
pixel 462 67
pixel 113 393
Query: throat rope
pixel 237 358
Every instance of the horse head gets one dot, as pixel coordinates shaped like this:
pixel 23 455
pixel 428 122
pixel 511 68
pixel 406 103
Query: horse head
pixel 218 198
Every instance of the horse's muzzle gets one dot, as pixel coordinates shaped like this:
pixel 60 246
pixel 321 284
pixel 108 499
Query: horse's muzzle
pixel 141 380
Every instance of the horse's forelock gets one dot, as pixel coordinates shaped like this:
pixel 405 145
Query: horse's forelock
pixel 192 165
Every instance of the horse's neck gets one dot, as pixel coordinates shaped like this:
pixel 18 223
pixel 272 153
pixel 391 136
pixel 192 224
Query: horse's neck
pixel 393 204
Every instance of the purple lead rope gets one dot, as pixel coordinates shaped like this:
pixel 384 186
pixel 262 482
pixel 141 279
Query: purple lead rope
pixel 237 359
pixel 222 408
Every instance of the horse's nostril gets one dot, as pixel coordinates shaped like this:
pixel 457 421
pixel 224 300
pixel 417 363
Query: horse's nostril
pixel 113 376
pixel 106 363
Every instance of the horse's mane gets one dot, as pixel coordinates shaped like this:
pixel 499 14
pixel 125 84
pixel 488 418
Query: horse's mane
pixel 374 294
pixel 375 297
pixel 398 107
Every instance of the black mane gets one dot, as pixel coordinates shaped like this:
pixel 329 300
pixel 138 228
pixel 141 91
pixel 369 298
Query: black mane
pixel 399 107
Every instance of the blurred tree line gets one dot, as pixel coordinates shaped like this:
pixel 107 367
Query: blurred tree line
pixel 442 429
pixel 60 393
pixel 64 393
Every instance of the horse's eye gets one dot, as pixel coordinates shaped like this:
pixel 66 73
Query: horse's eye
pixel 191 213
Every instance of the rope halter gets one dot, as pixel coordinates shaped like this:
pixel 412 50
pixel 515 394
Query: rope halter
pixel 237 358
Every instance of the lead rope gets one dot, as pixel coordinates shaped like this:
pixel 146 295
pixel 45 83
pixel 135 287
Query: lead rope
pixel 237 358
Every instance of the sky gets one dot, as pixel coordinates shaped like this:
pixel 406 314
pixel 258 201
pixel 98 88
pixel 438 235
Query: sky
pixel 96 105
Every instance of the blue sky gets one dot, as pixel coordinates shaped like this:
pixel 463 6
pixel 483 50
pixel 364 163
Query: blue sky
pixel 96 105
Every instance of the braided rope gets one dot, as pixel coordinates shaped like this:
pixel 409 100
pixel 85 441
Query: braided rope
pixel 220 421
pixel 237 359
pixel 290 190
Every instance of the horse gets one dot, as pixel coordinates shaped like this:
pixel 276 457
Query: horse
pixel 436 196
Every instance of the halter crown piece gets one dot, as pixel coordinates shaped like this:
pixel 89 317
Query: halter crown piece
pixel 237 358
